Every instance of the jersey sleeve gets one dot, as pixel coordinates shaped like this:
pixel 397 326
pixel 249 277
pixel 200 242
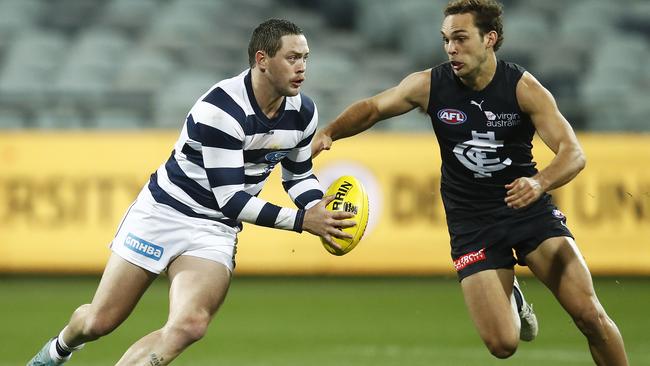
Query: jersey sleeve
pixel 298 178
pixel 222 141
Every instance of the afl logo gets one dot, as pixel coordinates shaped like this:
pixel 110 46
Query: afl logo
pixel 452 116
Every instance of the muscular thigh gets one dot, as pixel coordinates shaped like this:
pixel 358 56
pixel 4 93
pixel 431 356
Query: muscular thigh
pixel 120 288
pixel 197 285
pixel 487 296
pixel 557 262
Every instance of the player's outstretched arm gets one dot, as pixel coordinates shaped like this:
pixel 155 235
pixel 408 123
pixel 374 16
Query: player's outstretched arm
pixel 412 92
pixel 327 224
pixel 557 134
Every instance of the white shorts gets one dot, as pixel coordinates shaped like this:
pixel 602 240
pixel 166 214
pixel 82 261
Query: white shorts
pixel 151 235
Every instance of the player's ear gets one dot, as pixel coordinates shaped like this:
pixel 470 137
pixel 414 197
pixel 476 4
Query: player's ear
pixel 491 38
pixel 261 60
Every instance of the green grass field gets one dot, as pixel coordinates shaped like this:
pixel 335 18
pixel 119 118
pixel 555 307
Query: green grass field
pixel 323 321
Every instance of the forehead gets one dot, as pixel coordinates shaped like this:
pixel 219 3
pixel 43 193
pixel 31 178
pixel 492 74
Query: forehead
pixel 294 43
pixel 457 23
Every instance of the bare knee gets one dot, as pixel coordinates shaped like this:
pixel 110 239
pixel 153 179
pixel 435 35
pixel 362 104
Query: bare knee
pixel 502 348
pixel 188 329
pixel 591 320
pixel 95 324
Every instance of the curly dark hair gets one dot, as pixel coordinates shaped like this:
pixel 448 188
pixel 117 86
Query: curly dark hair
pixel 487 15
pixel 267 37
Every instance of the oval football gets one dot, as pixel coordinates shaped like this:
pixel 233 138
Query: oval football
pixel 351 196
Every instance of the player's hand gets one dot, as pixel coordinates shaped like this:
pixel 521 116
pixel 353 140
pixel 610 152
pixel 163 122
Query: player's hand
pixel 320 142
pixel 327 224
pixel 522 192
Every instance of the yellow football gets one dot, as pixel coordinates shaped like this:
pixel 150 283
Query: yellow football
pixel 350 196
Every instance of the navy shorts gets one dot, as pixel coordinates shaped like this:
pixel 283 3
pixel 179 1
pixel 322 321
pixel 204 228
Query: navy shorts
pixel 502 237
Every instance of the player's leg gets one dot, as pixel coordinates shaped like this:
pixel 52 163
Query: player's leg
pixel 121 287
pixel 198 287
pixel 557 262
pixel 119 290
pixel 488 298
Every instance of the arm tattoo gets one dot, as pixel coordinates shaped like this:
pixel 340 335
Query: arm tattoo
pixel 154 360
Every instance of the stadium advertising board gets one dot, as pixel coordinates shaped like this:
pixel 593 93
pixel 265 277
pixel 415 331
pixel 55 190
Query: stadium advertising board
pixel 62 196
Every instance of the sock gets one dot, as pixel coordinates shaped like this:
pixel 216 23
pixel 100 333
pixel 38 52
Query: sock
pixel 515 312
pixel 61 351
pixel 54 354
pixel 519 299
pixel 61 348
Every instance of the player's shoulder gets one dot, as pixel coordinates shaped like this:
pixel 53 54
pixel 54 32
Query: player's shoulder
pixel 512 71
pixel 229 94
pixel 414 88
pixel 414 81
pixel 224 104
pixel 234 85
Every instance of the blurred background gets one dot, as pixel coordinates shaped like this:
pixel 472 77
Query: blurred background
pixel 94 92
pixel 115 64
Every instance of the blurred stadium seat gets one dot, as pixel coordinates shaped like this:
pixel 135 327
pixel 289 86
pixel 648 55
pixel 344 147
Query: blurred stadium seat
pixel 173 102
pixel 62 117
pixel 11 119
pixel 32 60
pixel 63 62
pixel 145 70
pixel 127 15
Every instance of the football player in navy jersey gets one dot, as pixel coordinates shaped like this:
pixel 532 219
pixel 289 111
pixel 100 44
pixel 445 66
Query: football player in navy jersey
pixel 485 112
pixel 185 221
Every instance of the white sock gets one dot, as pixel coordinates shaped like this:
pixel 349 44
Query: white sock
pixel 515 312
pixel 65 346
pixel 54 354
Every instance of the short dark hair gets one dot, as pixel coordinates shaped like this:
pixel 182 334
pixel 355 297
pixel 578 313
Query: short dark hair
pixel 267 37
pixel 487 15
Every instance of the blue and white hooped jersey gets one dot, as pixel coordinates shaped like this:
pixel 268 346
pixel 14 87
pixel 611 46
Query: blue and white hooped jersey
pixel 226 151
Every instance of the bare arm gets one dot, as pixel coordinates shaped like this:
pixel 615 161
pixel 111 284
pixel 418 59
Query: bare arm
pixel 412 92
pixel 556 133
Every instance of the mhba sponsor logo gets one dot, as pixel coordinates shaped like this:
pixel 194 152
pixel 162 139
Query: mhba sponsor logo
pixel 452 116
pixel 143 247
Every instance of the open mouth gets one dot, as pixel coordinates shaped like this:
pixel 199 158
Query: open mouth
pixel 456 65
pixel 297 82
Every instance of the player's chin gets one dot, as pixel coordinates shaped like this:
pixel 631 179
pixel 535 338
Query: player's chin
pixel 296 87
pixel 292 91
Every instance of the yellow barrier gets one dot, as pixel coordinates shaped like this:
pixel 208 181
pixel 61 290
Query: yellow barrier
pixel 63 194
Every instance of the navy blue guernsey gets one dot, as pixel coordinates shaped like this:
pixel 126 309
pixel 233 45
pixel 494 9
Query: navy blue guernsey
pixel 485 140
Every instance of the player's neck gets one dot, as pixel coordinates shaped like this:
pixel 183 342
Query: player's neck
pixel 483 75
pixel 267 98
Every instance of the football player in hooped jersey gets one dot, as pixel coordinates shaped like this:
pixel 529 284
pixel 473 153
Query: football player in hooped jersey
pixel 186 219
pixel 484 112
